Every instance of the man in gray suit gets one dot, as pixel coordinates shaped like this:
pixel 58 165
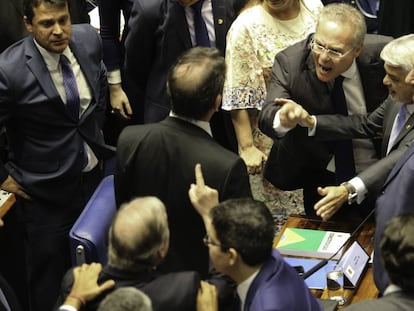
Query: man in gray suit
pixel 397 253
pixel 395 112
pixel 305 73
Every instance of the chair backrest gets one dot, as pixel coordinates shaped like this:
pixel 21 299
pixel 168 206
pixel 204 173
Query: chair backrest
pixel 89 235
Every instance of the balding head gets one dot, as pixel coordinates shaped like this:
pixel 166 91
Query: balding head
pixel 139 234
pixel 195 81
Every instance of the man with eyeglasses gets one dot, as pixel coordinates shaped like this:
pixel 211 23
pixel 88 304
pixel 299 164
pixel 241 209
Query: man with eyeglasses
pixel 393 119
pixel 335 70
pixel 239 238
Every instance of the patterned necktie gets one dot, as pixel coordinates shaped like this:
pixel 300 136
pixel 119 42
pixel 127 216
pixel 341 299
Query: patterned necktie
pixel 200 27
pixel 344 154
pixel 71 88
pixel 399 124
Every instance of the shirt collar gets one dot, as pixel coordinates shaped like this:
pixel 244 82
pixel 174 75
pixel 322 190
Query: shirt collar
pixel 52 59
pixel 351 71
pixel 201 124
pixel 243 288
pixel 392 288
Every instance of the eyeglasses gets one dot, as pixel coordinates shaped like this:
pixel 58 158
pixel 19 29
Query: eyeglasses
pixel 207 241
pixel 319 49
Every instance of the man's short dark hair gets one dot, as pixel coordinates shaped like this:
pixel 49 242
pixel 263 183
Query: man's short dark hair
pixel 247 226
pixel 29 5
pixel 195 81
pixel 397 251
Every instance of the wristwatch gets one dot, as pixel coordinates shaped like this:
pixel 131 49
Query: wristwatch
pixel 352 194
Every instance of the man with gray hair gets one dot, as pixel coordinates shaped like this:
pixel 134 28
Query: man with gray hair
pixel 138 242
pixel 335 70
pixel 392 120
pixel 126 299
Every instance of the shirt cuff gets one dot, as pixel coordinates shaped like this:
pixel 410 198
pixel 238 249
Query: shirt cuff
pixel 67 308
pixel 312 131
pixel 279 128
pixel 114 76
pixel 360 188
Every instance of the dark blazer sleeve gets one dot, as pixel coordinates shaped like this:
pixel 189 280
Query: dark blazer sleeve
pixel 337 127
pixel 140 44
pixel 237 183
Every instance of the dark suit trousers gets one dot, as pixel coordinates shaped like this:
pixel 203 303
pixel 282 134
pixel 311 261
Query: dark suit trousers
pixel 45 227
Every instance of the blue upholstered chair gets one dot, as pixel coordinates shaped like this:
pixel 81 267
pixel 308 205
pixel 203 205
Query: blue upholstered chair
pixel 89 235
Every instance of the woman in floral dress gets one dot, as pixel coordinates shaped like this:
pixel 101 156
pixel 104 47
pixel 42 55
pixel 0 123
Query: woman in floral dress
pixel 262 29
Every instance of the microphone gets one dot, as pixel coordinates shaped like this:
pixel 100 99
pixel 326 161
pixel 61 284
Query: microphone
pixel 323 262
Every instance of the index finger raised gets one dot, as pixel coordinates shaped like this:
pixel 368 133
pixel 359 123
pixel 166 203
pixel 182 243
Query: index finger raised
pixel 199 175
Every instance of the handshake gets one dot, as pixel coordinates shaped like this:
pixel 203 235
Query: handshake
pixel 292 114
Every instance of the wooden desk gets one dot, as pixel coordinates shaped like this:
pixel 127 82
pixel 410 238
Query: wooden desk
pixel 366 289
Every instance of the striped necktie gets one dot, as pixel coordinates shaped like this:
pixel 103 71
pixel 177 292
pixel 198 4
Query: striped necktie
pixel 71 88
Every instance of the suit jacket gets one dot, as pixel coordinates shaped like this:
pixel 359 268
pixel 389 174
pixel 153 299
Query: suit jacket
pixel 395 199
pixel 45 142
pixel 397 301
pixel 172 291
pixel 278 287
pixel 157 34
pixel 294 77
pixel 158 159
pixel 12 27
pixel 378 123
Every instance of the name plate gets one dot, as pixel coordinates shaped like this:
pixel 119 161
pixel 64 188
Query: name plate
pixel 354 263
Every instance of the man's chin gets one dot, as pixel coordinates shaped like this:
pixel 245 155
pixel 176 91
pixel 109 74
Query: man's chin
pixel 324 77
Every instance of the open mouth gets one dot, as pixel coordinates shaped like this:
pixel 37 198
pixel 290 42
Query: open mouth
pixel 325 70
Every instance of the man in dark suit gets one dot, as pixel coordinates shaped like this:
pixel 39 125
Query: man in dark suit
pixel 158 159
pixel 239 237
pixel 158 32
pixel 395 199
pixel 305 73
pixel 383 121
pixel 52 94
pixel 138 242
pixel 396 251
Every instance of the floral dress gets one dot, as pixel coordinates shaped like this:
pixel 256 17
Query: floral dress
pixel 253 41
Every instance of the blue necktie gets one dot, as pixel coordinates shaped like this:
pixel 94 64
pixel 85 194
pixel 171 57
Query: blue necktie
pixel 344 154
pixel 71 88
pixel 200 27
pixel 399 124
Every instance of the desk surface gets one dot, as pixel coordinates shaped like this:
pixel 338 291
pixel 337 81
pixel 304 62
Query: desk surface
pixel 366 289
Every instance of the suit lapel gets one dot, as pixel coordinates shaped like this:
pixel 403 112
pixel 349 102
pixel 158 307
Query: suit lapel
pixel 220 23
pixel 38 67
pixel 408 126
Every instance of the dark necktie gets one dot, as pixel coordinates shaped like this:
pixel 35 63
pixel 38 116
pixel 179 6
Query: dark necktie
pixel 71 88
pixel 200 27
pixel 344 154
